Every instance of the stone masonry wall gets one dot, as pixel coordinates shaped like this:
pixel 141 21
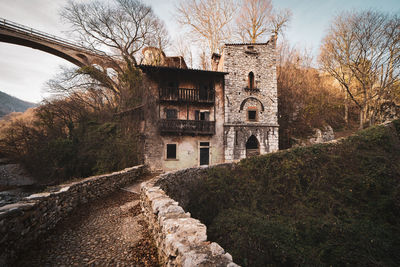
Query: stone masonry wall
pixel 23 222
pixel 237 136
pixel 180 239
pixel 239 60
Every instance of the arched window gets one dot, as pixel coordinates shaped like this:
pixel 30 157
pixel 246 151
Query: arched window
pixel 251 80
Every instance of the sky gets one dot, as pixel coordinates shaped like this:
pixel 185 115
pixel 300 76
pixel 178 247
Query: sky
pixel 25 71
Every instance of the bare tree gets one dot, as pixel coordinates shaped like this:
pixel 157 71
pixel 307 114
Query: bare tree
pixel 305 100
pixel 335 58
pixel 182 47
pixel 120 29
pixel 204 60
pixel 279 21
pixel 258 18
pixel 208 20
pixel 70 82
pixel 253 19
pixel 362 52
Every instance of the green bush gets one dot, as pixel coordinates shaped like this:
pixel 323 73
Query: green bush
pixel 327 204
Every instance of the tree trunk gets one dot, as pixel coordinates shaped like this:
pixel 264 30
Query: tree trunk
pixel 364 109
pixel 361 118
pixel 346 107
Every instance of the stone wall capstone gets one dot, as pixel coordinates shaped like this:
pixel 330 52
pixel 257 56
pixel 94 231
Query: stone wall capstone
pixel 23 222
pixel 180 239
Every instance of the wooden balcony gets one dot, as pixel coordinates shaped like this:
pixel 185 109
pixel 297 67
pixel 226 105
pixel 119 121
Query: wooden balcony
pixel 189 127
pixel 173 94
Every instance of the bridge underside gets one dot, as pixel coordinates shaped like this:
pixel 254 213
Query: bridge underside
pixel 14 33
pixel 45 48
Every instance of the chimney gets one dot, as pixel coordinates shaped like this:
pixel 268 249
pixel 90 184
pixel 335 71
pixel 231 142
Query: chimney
pixel 273 39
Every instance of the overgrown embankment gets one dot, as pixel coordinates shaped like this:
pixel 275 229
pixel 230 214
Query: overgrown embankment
pixel 64 139
pixel 329 204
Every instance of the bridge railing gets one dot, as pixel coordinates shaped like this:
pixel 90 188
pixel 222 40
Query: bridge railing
pixel 10 25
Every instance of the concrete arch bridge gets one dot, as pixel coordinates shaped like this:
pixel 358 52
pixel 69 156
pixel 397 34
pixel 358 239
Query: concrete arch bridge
pixel 14 33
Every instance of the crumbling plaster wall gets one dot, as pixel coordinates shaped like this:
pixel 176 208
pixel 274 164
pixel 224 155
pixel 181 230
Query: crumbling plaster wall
pixel 187 145
pixel 188 151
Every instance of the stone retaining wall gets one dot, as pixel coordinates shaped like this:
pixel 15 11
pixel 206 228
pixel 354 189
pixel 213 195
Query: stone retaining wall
pixel 180 239
pixel 23 222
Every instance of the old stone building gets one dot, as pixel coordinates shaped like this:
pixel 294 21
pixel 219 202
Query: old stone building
pixel 207 117
pixel 251 102
pixel 187 128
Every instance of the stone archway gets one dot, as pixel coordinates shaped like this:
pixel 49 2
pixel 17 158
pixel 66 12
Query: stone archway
pixel 252 146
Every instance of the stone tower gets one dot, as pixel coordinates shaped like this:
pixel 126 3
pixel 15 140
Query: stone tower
pixel 250 96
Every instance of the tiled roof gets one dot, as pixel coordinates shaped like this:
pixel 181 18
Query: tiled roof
pixel 163 68
pixel 248 43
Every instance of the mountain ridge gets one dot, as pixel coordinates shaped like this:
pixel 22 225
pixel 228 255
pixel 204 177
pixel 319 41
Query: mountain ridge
pixel 9 104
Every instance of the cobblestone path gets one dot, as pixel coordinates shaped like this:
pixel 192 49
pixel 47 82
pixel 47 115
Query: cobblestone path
pixel 105 232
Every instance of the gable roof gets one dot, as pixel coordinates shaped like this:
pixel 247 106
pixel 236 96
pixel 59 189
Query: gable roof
pixel 237 44
pixel 152 68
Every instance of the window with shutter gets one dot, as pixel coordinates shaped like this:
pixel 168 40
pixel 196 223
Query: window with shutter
pixel 202 115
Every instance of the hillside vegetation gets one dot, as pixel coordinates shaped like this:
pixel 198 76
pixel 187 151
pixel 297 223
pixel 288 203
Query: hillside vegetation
pixel 10 104
pixel 330 204
pixel 77 136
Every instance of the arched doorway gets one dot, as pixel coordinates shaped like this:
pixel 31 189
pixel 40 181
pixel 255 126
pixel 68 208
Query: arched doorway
pixel 252 147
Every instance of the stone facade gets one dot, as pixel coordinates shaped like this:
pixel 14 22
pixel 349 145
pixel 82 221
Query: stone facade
pixel 251 101
pixel 23 222
pixel 180 239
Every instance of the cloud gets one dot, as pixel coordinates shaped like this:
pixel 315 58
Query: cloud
pixel 24 71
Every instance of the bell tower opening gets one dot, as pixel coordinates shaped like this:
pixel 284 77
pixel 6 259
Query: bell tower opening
pixel 251 81
pixel 252 147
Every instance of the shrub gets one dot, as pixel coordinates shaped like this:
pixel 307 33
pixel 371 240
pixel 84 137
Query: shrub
pixel 62 142
pixel 327 204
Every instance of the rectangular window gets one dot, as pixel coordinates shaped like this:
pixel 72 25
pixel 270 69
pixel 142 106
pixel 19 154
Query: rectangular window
pixel 202 115
pixel 204 153
pixel 171 113
pixel 171 151
pixel 252 115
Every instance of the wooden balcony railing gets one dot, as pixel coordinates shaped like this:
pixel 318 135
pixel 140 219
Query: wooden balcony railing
pixel 187 127
pixel 186 95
